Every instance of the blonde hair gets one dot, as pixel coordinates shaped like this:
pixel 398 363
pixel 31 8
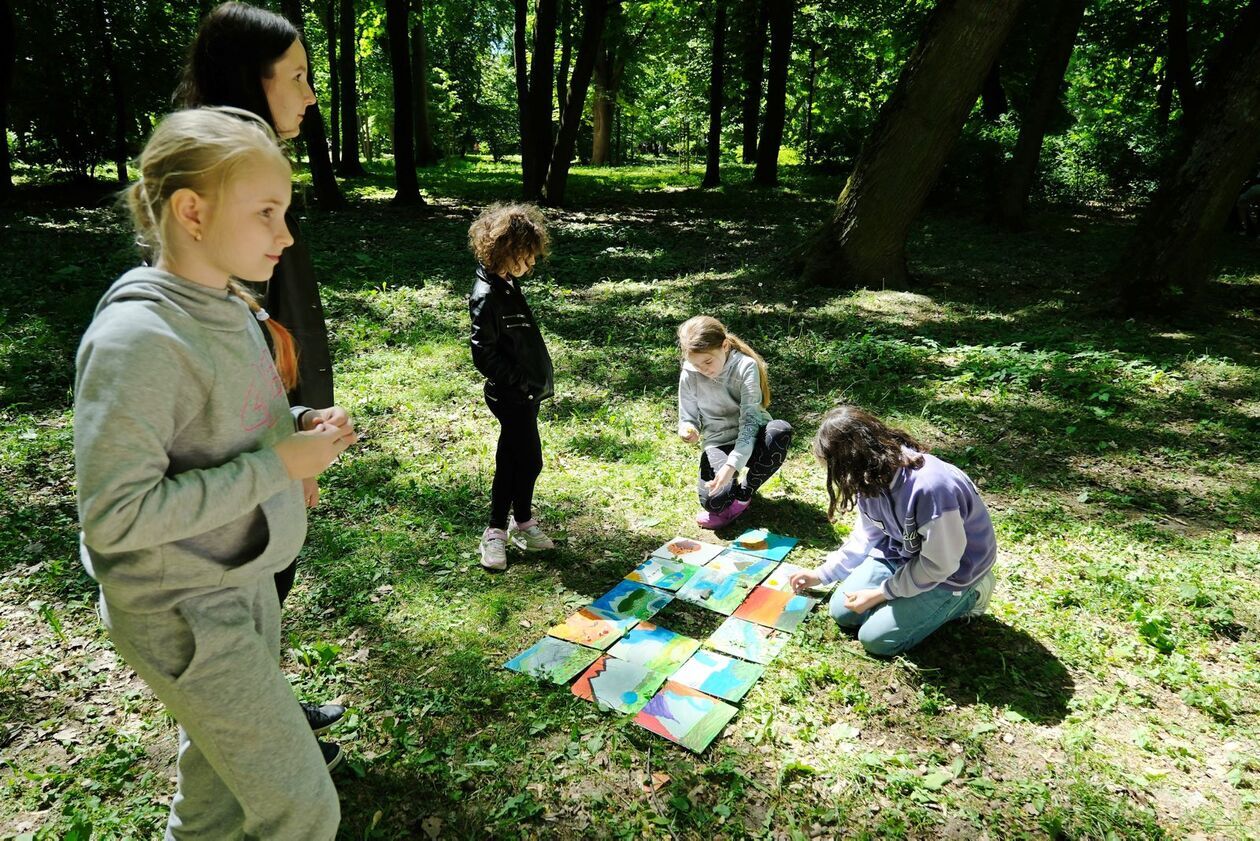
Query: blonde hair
pixel 202 149
pixel 504 233
pixel 705 334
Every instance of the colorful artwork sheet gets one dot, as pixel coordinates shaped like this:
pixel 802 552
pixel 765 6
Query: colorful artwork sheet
pixel 655 647
pixel 748 640
pixel 718 675
pixel 618 685
pixel 686 549
pixel 685 716
pixel 716 590
pixel 775 609
pixel 764 544
pixel 630 598
pixel 747 566
pixel 553 659
pixel 781 579
pixel 662 573
pixel 593 628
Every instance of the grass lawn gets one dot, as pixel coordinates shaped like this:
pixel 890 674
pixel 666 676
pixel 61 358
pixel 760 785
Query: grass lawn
pixel 1113 691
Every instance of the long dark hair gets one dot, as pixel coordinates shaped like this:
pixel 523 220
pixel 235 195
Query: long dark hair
pixel 236 47
pixel 862 455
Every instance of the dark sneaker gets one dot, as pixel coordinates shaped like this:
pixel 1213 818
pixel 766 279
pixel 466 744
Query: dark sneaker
pixel 323 716
pixel 332 754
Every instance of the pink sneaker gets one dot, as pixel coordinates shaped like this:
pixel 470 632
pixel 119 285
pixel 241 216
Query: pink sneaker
pixel 728 515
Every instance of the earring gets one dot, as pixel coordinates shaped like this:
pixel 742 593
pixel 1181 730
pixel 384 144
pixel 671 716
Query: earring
pixel 197 236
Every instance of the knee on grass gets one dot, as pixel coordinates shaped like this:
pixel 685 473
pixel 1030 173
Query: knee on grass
pixel 878 642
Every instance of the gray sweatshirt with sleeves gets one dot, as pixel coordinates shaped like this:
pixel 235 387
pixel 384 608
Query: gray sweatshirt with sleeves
pixel 178 407
pixel 726 409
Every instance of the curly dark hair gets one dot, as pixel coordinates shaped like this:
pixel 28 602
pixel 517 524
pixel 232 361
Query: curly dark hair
pixel 504 233
pixel 862 455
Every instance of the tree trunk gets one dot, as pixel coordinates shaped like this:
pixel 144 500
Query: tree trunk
pixel 1179 70
pixel 754 56
pixel 809 104
pixel 864 241
pixel 601 113
pixel 712 175
pixel 1171 254
pixel 594 12
pixel 767 172
pixel 426 152
pixel 407 188
pixel 115 92
pixel 1012 203
pixel 8 58
pixel 993 102
pixel 348 24
pixel 565 12
pixel 534 99
pixel 334 82
pixel 323 183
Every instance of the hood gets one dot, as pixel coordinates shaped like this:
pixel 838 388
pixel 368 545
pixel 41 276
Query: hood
pixel 216 309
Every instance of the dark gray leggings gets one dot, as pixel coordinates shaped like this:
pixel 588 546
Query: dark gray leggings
pixel 769 451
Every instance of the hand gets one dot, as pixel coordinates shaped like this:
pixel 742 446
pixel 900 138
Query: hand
pixel 310 492
pixel 805 580
pixel 689 434
pixel 723 477
pixel 332 416
pixel 860 601
pixel 308 454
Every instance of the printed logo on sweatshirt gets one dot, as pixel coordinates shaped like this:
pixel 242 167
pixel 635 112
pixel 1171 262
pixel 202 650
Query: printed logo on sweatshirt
pixel 264 387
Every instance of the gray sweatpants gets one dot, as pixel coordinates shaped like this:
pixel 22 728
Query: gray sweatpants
pixel 249 766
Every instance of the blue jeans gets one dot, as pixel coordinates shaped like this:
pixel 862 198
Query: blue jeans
pixel 900 624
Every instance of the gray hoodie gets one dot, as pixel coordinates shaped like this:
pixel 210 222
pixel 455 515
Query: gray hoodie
pixel 726 409
pixel 177 410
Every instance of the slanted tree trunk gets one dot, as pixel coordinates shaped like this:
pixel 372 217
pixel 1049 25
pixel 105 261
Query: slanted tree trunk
pixel 116 94
pixel 334 82
pixel 594 12
pixel 407 188
pixel 713 157
pixel 754 57
pixel 1020 173
pixel 767 172
pixel 323 182
pixel 426 151
pixel 533 86
pixel 565 12
pixel 348 24
pixel 1179 70
pixel 864 241
pixel 1171 254
pixel 8 58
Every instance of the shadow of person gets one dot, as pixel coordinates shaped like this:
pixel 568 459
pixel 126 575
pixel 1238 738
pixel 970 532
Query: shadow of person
pixel 986 661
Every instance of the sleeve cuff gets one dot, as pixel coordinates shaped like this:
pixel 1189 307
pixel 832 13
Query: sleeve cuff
pixel 886 590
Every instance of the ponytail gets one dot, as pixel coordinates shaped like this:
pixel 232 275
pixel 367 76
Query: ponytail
pixel 704 333
pixel 762 372
pixel 283 345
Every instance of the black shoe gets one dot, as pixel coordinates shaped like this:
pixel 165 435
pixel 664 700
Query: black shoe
pixel 332 754
pixel 322 717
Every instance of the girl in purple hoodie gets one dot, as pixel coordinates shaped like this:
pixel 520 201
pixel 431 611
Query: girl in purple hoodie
pixel 922 547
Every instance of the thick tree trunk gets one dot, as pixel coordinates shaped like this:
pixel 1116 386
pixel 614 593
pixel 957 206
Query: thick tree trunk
pixel 594 12
pixel 601 117
pixel 713 158
pixel 407 188
pixel 754 57
pixel 1179 70
pixel 8 58
pixel 426 152
pixel 348 24
pixel 1020 173
pixel 117 96
pixel 767 172
pixel 863 243
pixel 1171 254
pixel 323 182
pixel 534 100
pixel 334 82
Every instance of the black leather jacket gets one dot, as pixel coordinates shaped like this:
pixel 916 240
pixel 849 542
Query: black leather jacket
pixel 507 347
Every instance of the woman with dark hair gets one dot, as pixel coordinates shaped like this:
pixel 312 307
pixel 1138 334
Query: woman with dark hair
pixel 254 59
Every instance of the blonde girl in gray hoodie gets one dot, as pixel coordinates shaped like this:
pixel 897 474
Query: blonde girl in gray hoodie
pixel 190 464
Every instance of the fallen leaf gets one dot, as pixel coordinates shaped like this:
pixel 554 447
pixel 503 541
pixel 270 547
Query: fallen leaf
pixel 432 826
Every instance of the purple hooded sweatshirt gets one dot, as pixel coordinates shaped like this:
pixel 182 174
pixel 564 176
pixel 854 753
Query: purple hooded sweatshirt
pixel 930 524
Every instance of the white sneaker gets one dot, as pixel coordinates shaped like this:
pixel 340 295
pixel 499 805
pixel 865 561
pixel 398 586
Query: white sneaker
pixel 984 589
pixel 529 536
pixel 494 549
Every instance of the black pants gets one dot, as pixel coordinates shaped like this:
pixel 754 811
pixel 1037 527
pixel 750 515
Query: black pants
pixel 769 451
pixel 517 462
pixel 284 580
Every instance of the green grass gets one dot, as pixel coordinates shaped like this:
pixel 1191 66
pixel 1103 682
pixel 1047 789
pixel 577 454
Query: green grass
pixel 1112 692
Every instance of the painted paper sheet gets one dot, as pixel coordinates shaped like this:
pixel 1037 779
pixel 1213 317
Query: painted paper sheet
pixel 781 579
pixel 553 659
pixel 630 598
pixel 764 544
pixel 662 573
pixel 741 563
pixel 618 685
pixel 592 627
pixel 748 640
pixel 685 716
pixel 718 675
pixel 655 647
pixel 716 590
pixel 775 609
pixel 686 549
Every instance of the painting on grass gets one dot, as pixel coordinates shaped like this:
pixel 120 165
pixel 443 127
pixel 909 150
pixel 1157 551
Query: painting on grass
pixel 764 544
pixel 593 627
pixel 781 579
pixel 630 598
pixel 742 564
pixel 748 640
pixel 716 590
pixel 654 647
pixel 662 573
pixel 685 716
pixel 553 659
pixel 718 675
pixel 685 549
pixel 775 608
pixel 618 685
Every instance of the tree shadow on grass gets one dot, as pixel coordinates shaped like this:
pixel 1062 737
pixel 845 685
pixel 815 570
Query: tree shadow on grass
pixel 988 662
